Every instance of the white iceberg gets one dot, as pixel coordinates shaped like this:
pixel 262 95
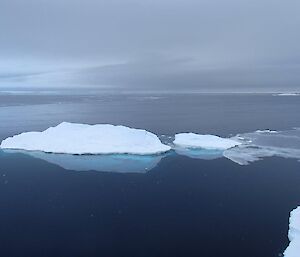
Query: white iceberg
pixel 293 250
pixel 72 138
pixel 210 142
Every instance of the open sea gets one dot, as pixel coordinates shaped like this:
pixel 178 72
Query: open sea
pixel 157 206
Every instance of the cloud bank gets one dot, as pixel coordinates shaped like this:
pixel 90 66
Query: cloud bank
pixel 196 45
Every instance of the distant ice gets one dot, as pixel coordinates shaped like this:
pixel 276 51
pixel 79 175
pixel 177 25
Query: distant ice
pixel 293 250
pixel 266 143
pixel 287 94
pixel 72 138
pixel 192 140
pixel 266 131
pixel 142 98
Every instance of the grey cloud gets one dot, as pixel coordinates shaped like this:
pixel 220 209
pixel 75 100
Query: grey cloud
pixel 200 45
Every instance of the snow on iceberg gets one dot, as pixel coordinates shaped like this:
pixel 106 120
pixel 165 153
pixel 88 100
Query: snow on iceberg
pixel 73 138
pixel 267 143
pixel 210 142
pixel 293 250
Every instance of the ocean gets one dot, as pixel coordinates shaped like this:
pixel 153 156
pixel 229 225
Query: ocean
pixel 169 205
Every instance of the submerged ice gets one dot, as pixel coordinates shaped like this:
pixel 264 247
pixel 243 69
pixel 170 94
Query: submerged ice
pixel 198 153
pixel 72 138
pixel 293 250
pixel 265 143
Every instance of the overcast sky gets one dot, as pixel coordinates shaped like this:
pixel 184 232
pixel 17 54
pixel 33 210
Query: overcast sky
pixel 171 45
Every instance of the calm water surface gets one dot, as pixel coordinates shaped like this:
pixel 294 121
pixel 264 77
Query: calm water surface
pixel 178 206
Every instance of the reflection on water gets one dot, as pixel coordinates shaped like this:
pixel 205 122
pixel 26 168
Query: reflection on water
pixel 255 146
pixel 120 163
pixel 198 153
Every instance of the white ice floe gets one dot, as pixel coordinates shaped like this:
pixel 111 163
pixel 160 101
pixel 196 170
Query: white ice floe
pixel 267 143
pixel 192 140
pixel 72 138
pixel 293 250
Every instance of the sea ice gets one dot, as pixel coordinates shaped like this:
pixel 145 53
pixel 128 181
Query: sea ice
pixel 72 138
pixel 198 153
pixel 293 250
pixel 265 143
pixel 266 131
pixel 192 140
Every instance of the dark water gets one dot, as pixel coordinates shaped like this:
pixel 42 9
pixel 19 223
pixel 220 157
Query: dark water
pixel 179 207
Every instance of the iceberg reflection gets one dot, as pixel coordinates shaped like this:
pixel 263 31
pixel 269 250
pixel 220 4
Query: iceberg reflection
pixel 198 153
pixel 120 163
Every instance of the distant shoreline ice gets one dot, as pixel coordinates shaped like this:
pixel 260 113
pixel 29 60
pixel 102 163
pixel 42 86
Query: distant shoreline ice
pixel 287 94
pixel 72 138
pixel 293 250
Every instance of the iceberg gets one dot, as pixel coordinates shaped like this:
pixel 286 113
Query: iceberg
pixel 73 138
pixel 293 250
pixel 210 142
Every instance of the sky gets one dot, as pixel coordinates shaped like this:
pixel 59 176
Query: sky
pixel 151 45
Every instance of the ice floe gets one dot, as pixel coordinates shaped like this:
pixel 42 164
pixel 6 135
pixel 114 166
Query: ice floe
pixel 72 138
pixel 265 143
pixel 192 140
pixel 293 250
pixel 241 149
